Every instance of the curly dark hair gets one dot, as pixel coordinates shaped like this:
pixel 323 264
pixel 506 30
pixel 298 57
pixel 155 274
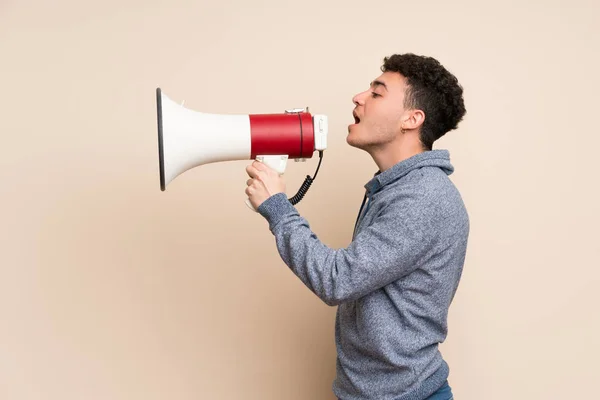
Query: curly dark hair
pixel 432 89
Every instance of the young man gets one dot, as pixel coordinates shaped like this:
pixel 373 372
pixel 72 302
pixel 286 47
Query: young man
pixel 394 283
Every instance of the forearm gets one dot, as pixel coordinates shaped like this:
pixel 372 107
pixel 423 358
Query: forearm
pixel 334 275
pixel 300 249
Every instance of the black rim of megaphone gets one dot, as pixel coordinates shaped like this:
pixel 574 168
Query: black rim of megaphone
pixel 161 160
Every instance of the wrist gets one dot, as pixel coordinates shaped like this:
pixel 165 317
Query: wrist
pixel 274 208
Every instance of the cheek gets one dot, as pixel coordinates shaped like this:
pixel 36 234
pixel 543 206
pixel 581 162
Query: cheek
pixel 383 125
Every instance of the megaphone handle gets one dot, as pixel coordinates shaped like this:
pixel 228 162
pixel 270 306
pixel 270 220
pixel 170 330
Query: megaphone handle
pixel 250 205
pixel 277 162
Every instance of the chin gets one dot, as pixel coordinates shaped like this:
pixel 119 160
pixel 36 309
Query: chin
pixel 350 139
pixel 353 138
pixel 354 143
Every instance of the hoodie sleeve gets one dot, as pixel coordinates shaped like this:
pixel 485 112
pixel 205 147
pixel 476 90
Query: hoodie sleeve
pixel 385 251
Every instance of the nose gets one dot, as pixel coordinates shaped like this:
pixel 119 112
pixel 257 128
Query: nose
pixel 358 99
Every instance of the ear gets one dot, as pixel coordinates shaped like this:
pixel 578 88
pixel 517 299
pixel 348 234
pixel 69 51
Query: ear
pixel 413 120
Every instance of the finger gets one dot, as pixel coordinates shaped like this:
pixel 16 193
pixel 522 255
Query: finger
pixel 251 171
pixel 258 175
pixel 249 182
pixel 259 165
pixel 262 167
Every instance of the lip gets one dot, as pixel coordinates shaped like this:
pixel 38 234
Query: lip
pixel 356 118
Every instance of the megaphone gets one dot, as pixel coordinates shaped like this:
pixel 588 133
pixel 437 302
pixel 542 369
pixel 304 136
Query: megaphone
pixel 188 138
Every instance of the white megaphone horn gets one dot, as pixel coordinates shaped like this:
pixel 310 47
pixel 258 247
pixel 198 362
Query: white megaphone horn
pixel 187 139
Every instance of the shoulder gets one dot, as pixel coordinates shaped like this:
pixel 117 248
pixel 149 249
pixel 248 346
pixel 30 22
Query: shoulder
pixel 429 192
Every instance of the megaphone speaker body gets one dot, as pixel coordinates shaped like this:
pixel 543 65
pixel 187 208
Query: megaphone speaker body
pixel 188 138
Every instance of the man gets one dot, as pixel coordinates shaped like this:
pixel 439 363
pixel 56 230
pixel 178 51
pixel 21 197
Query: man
pixel 394 283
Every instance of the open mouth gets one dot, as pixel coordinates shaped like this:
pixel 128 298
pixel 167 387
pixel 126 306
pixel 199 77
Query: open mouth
pixel 356 118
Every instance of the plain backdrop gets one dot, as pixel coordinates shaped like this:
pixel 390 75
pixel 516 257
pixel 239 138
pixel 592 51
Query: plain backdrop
pixel 112 289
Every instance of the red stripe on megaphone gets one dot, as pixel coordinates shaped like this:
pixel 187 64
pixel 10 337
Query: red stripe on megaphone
pixel 279 134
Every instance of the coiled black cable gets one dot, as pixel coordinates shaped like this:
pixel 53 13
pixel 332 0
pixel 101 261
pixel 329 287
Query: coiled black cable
pixel 306 184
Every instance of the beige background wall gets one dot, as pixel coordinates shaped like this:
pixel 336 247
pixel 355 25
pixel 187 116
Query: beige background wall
pixel 112 289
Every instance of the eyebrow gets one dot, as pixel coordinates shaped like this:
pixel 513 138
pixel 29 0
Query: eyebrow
pixel 376 83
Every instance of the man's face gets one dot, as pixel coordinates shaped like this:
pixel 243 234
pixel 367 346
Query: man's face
pixel 378 112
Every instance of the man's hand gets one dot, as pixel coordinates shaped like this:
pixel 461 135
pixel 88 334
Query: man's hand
pixel 264 182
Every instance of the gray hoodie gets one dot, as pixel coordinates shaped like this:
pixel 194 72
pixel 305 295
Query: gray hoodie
pixel 393 284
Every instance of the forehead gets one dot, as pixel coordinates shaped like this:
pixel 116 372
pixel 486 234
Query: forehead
pixel 392 81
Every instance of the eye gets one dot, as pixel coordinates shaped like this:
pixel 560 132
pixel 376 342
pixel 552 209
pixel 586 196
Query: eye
pixel 373 94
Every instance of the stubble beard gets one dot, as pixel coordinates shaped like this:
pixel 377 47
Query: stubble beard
pixel 369 136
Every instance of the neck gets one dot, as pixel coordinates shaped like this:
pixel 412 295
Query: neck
pixel 394 153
